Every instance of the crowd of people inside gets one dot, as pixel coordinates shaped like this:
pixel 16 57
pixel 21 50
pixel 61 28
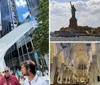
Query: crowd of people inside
pixel 28 74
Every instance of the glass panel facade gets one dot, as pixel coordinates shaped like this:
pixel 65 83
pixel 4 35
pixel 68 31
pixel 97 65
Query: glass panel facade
pixel 24 49
pixel 29 45
pixel 5 17
pixel 20 51
pixel 32 4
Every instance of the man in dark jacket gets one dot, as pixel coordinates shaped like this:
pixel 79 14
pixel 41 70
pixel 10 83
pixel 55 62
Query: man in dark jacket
pixel 8 79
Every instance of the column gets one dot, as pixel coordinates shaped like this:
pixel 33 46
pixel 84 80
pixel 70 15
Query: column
pixel 66 75
pixel 53 69
pixel 46 57
pixel 61 73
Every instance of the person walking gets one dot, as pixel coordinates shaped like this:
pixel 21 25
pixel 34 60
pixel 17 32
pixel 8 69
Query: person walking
pixel 8 79
pixel 28 69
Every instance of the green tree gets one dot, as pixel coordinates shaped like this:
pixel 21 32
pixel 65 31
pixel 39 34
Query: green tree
pixel 41 34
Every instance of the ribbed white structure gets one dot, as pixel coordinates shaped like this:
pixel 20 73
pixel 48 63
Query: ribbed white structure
pixel 9 39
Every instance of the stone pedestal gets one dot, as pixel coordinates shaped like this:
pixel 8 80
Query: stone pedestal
pixel 73 23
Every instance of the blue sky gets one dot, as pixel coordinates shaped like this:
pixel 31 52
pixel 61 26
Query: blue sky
pixel 21 11
pixel 21 8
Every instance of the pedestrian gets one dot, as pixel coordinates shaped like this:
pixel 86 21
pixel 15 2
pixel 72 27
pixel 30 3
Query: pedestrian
pixel 28 69
pixel 8 79
pixel 18 73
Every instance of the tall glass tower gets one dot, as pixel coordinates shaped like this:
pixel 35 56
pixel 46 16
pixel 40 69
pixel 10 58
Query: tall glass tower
pixel 8 24
pixel 5 17
pixel 32 5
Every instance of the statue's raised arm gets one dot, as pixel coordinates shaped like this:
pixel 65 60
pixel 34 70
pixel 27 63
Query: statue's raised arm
pixel 70 4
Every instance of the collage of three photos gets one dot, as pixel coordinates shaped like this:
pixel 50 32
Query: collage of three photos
pixel 49 42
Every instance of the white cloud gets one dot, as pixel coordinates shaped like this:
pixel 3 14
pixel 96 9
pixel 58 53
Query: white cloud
pixel 20 3
pixel 88 13
pixel 25 15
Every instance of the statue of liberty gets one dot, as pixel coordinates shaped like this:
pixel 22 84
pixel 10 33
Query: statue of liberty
pixel 73 10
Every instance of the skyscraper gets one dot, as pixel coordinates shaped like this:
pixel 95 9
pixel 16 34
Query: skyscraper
pixel 5 17
pixel 14 14
pixel 32 5
pixel 8 25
